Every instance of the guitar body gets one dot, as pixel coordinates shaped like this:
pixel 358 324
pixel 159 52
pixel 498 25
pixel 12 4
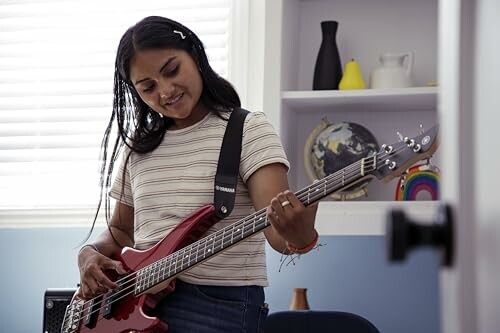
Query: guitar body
pixel 134 314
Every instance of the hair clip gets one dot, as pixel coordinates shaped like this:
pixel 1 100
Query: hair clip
pixel 180 33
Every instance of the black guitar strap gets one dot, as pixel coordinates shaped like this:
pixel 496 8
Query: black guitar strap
pixel 228 166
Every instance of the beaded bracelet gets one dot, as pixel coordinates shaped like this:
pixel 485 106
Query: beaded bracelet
pixel 304 249
pixel 91 245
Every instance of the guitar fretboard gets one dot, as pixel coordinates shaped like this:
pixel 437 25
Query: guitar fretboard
pixel 222 239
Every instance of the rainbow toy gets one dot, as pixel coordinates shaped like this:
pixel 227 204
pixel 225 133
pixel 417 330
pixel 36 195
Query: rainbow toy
pixel 418 179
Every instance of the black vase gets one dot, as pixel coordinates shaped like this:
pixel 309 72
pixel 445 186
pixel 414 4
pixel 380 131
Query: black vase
pixel 328 69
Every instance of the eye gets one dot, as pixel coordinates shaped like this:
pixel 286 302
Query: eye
pixel 169 72
pixel 148 88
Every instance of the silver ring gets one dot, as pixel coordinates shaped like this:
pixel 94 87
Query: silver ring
pixel 285 203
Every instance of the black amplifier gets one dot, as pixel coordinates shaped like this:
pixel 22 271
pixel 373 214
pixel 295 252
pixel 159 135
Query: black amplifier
pixel 54 306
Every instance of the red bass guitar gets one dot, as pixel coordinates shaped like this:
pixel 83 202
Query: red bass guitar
pixel 129 307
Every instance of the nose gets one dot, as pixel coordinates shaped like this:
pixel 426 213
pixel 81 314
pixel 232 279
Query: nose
pixel 167 91
pixel 163 99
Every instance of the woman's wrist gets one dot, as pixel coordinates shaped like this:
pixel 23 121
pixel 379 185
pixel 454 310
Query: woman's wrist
pixel 93 246
pixel 304 249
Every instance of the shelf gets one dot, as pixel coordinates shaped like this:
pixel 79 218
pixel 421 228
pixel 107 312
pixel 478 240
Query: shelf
pixel 397 100
pixel 367 218
pixel 384 112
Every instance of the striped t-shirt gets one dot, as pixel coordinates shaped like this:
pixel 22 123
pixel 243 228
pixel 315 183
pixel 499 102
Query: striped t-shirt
pixel 166 185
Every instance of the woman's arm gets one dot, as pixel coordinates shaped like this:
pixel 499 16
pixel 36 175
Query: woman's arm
pixel 122 227
pixel 293 223
pixel 92 264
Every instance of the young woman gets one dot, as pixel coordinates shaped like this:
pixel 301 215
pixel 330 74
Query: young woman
pixel 171 109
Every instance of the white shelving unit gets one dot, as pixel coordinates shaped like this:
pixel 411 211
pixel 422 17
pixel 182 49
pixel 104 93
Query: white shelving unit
pixel 398 100
pixel 366 30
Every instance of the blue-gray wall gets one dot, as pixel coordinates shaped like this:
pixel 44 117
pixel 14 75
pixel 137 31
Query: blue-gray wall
pixel 348 273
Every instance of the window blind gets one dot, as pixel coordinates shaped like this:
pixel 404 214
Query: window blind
pixel 56 80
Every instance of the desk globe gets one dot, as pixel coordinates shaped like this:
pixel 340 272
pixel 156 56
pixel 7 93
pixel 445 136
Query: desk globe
pixel 332 147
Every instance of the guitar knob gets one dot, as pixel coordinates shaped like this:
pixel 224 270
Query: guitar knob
pixel 403 235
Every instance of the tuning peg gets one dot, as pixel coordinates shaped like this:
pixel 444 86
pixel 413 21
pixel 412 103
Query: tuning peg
pixel 387 148
pixel 409 142
pixel 422 129
pixel 391 164
pixel 400 136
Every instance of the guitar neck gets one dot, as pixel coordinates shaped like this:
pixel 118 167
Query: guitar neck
pixel 224 238
pixel 337 181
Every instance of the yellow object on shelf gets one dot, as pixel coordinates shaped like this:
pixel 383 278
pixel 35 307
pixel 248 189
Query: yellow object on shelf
pixel 352 78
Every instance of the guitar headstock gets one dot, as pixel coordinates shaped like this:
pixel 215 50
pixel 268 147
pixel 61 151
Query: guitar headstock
pixel 393 160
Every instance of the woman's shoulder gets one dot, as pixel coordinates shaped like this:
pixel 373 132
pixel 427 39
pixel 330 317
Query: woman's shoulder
pixel 254 120
pixel 253 117
pixel 258 119
pixel 257 116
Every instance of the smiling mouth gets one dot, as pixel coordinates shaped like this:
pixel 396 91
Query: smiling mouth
pixel 174 100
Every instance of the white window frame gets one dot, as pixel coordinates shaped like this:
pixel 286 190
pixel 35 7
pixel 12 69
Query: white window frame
pixel 83 216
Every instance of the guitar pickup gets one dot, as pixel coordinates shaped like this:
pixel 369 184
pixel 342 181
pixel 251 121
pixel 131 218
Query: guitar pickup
pixel 107 305
pixel 108 301
pixel 92 312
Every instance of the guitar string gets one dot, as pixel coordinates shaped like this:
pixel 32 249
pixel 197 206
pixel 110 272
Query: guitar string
pixel 307 191
pixel 240 224
pixel 304 192
pixel 175 259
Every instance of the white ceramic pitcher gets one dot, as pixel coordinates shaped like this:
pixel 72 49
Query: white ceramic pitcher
pixel 394 71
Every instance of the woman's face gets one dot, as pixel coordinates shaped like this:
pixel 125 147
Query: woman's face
pixel 169 82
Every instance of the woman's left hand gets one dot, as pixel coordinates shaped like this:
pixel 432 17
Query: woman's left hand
pixel 292 220
pixel 292 223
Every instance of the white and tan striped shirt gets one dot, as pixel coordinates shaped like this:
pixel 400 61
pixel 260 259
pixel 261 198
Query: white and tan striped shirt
pixel 166 185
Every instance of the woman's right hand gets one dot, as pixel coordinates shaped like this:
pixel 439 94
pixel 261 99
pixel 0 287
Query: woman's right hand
pixel 93 279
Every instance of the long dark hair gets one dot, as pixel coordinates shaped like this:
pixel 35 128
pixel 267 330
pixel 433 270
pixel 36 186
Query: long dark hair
pixel 139 127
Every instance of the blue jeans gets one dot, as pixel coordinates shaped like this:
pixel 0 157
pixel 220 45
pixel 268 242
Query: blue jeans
pixel 213 309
